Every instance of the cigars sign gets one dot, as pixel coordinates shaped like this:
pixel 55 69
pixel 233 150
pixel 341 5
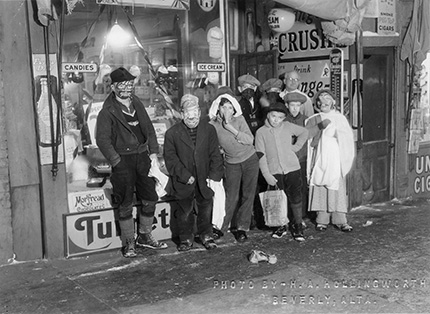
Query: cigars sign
pixel 420 176
pixel 97 231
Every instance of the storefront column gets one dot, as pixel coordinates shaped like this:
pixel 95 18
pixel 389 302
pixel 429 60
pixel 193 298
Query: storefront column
pixel 21 140
pixel 6 251
pixel 53 187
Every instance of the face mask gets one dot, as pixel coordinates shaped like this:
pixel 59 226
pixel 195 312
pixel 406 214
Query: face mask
pixel 191 118
pixel 325 102
pixel 248 93
pixel 124 90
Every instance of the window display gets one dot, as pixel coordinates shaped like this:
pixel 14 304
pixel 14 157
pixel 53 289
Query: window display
pixel 158 47
pixel 146 44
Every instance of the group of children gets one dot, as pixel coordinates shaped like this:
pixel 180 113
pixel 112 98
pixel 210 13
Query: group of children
pixel 260 137
pixel 283 122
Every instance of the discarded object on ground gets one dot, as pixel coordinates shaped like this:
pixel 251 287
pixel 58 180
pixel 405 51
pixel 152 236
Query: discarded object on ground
pixel 257 256
pixel 368 223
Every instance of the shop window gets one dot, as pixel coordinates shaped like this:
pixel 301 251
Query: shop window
pixel 424 100
pixel 160 45
pixel 418 115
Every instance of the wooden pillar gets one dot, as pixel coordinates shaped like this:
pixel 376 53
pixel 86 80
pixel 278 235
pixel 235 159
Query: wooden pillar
pixel 37 201
pixel 21 137
pixel 53 188
pixel 6 238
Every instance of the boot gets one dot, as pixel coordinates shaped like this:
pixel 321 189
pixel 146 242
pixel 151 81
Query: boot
pixel 129 249
pixel 147 240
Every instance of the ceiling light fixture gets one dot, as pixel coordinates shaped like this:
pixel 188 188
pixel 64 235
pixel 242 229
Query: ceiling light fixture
pixel 117 36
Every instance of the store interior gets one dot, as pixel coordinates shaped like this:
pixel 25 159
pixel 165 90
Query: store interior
pixel 145 41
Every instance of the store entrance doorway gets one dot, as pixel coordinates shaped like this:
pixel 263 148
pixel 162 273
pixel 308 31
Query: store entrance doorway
pixel 378 67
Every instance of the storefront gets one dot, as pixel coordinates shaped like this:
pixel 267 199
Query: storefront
pixel 173 48
pixel 57 202
pixel 68 51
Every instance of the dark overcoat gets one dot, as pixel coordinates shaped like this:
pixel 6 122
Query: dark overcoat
pixel 184 159
pixel 114 136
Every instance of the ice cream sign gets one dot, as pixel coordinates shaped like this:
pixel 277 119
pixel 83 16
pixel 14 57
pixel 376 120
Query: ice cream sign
pixel 212 67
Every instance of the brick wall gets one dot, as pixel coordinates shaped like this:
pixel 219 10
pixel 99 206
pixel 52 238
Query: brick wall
pixel 6 239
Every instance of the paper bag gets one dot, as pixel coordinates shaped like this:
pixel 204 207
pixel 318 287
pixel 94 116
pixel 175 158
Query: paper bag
pixel 274 203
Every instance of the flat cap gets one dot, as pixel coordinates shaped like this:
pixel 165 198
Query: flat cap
pixel 272 85
pixel 280 107
pixel 121 75
pixel 294 96
pixel 189 101
pixel 248 79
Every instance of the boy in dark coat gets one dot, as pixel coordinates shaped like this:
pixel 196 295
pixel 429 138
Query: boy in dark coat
pixel 249 101
pixel 192 157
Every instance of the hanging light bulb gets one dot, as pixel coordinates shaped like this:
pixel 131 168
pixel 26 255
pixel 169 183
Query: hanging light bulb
pixel 117 36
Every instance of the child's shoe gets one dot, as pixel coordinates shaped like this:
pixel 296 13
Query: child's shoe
pixel 208 242
pixel 298 233
pixel 321 227
pixel 280 232
pixel 185 245
pixel 147 240
pixel 217 233
pixel 129 250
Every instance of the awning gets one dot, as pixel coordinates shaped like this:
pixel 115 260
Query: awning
pixel 328 10
pixel 341 19
pixel 416 42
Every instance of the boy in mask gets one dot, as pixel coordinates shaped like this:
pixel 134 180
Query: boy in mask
pixel 192 157
pixel 249 101
pixel 126 137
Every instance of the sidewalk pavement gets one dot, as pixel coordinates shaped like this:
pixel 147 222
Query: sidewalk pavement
pixel 381 267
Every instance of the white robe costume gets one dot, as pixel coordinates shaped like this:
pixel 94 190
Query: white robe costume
pixel 329 162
